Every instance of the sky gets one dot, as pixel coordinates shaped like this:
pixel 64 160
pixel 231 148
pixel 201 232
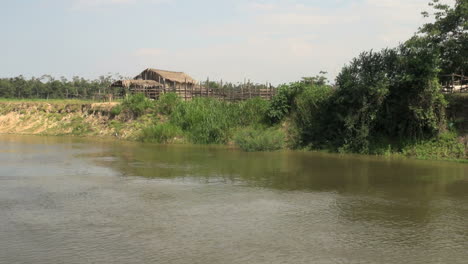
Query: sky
pixel 275 41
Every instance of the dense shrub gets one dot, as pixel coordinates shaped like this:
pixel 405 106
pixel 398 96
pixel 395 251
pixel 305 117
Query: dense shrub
pixel 283 102
pixel 310 116
pixel 253 111
pixel 353 110
pixel 415 106
pixel 390 94
pixel 251 139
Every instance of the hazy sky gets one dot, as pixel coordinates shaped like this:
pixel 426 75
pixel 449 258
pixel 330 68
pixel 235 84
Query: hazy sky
pixel 262 40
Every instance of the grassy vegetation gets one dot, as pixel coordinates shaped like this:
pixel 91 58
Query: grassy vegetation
pixel 444 147
pixel 210 121
pixel 79 127
pixel 256 139
pixel 52 101
pixel 161 133
pixel 167 103
pixel 135 105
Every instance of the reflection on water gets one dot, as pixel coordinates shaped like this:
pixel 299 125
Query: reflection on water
pixel 79 201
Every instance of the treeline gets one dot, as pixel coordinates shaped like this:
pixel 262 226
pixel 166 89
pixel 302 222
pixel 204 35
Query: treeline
pixel 384 100
pixel 47 87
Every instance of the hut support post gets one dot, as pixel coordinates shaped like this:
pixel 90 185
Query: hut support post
pixel 185 90
pixel 191 90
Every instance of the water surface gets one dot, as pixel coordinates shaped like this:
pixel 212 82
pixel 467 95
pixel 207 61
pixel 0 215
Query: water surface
pixel 72 200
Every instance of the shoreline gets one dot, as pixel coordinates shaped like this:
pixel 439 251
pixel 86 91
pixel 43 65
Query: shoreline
pixel 393 156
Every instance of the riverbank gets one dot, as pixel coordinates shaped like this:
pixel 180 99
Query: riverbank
pixel 204 122
pixel 65 117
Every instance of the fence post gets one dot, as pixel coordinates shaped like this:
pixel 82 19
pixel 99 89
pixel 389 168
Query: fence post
pixel 185 91
pixel 220 88
pixel 242 91
pixel 191 90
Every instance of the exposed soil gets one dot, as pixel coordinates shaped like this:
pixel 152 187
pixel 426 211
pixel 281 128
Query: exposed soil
pixel 39 118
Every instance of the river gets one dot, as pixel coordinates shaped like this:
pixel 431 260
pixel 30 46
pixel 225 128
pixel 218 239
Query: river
pixel 76 200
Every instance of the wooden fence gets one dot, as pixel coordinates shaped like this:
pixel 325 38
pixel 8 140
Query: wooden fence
pixel 454 83
pixel 225 93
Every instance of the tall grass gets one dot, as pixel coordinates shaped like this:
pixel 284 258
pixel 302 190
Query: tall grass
pixel 211 121
pixel 253 112
pixel 205 120
pixel 445 146
pixel 256 139
pixel 167 103
pixel 160 133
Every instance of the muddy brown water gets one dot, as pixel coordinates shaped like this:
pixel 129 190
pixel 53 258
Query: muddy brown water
pixel 72 200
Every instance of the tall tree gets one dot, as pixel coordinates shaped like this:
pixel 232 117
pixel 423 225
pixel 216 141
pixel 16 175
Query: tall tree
pixel 449 33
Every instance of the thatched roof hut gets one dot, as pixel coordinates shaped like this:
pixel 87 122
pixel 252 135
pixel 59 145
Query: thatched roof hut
pixel 136 84
pixel 154 82
pixel 165 76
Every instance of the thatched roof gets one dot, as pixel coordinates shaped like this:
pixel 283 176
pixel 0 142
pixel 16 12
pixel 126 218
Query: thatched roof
pixel 136 83
pixel 179 77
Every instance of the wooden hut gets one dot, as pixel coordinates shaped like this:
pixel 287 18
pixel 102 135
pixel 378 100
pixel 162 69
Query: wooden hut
pixel 176 82
pixel 154 82
pixel 150 88
pixel 454 83
pixel 169 78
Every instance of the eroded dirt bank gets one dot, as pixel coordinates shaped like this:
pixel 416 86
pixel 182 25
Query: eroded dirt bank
pixel 54 118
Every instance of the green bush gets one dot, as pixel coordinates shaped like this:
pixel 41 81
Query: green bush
pixel 283 102
pixel 353 110
pixel 415 105
pixel 160 133
pixel 137 104
pixel 308 117
pixel 167 103
pixel 251 139
pixel 390 94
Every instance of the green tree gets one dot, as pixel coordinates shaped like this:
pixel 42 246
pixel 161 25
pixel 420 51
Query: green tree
pixel 7 90
pixel 415 106
pixel 449 33
pixel 363 86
